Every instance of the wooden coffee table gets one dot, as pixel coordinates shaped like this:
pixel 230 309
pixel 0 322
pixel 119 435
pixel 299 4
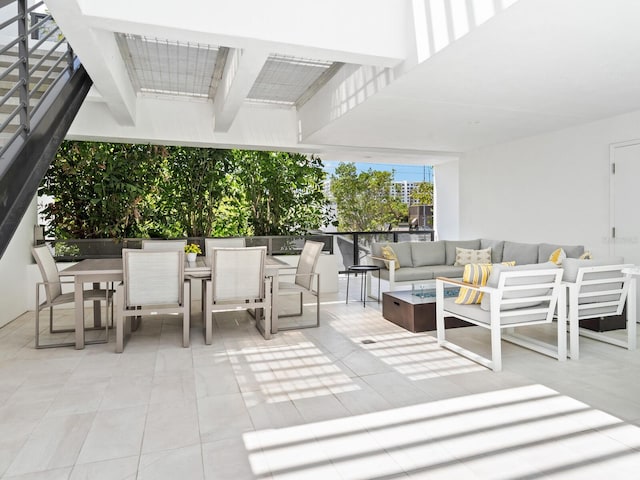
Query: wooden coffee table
pixel 416 313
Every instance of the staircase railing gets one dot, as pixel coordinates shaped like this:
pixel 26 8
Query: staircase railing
pixel 31 71
pixel 42 87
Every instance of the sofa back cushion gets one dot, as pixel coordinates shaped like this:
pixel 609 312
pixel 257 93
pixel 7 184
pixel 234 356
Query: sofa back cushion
pixel 376 251
pixel 546 249
pixel 521 253
pixel 427 253
pixel 494 278
pixel 450 248
pixel 403 252
pixel 497 246
pixel 401 249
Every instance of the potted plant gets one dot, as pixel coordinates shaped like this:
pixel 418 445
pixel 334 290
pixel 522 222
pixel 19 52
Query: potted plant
pixel 192 250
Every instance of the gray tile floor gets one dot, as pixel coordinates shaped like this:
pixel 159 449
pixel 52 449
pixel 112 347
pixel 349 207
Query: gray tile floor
pixel 313 403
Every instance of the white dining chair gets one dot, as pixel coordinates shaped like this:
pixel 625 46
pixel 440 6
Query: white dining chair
pixel 162 245
pixel 305 278
pixel 231 242
pixel 153 283
pixel 238 282
pixel 52 284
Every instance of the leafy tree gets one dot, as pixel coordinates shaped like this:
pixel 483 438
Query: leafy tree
pixel 120 190
pixel 364 200
pixel 422 194
pixel 283 192
pixel 101 189
pixel 193 188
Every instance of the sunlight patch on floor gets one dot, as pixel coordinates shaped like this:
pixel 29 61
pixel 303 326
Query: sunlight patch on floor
pixel 522 432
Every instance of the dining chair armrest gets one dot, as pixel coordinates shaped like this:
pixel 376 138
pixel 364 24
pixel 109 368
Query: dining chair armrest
pixel 55 283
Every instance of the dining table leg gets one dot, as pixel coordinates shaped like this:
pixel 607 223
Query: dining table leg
pixel 274 302
pixel 97 309
pixel 79 314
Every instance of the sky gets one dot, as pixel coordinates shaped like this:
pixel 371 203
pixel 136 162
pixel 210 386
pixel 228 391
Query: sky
pixel 415 173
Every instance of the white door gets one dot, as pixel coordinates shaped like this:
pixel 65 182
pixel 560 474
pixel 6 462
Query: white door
pixel 625 202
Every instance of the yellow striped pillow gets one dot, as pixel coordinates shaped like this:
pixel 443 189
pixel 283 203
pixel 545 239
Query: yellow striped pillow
pixel 476 274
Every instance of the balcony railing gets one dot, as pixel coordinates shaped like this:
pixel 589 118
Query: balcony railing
pixel 352 246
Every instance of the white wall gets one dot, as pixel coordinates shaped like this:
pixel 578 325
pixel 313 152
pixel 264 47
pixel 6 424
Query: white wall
pixel 446 200
pixel 14 270
pixel 548 188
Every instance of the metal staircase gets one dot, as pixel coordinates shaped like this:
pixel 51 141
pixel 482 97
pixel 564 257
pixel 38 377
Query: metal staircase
pixel 42 86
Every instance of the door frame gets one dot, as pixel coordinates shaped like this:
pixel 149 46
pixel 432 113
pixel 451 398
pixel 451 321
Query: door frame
pixel 612 207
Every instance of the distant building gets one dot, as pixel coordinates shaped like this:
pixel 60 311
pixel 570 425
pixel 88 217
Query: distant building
pixel 403 190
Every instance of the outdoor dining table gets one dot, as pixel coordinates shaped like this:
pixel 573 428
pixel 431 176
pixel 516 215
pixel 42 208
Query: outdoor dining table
pixel 96 270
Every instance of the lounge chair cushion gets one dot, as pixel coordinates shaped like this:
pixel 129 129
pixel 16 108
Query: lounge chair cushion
pixel 495 277
pixel 570 274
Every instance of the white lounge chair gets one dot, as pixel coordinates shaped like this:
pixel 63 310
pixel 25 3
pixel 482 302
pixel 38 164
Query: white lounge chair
pixel 597 289
pixel 514 297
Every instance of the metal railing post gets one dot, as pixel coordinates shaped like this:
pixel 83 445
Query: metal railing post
pixel 356 252
pixel 23 69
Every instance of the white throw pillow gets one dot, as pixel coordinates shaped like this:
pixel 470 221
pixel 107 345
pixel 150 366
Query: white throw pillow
pixel 465 256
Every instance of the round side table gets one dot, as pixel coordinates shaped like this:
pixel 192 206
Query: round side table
pixel 363 269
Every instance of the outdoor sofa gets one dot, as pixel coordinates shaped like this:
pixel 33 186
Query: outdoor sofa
pixel 424 261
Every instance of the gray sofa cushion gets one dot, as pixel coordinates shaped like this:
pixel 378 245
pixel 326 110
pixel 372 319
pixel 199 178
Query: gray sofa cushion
pixel 408 274
pixel 427 253
pixel 376 251
pixel 450 248
pixel 448 271
pixel 546 249
pixel 403 252
pixel 494 277
pixel 522 253
pixel 496 248
pixel 401 249
pixel 417 274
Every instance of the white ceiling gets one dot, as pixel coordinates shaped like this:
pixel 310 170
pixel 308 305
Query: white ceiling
pixel 527 67
pixel 538 66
